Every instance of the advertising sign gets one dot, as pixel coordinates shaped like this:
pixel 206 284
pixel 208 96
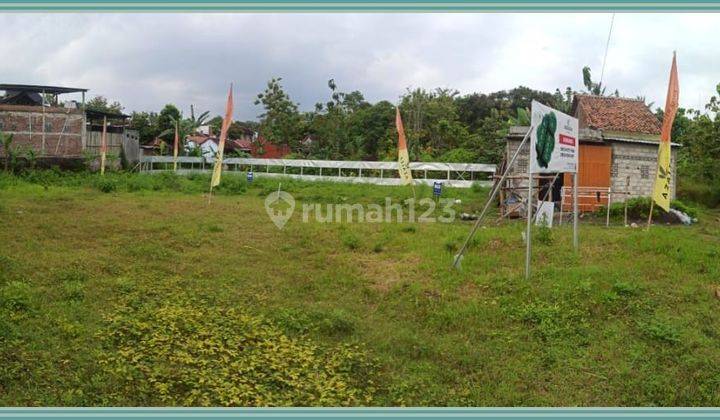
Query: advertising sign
pixel 554 141
pixel 437 188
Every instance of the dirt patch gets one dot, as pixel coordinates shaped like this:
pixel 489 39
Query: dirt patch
pixel 383 273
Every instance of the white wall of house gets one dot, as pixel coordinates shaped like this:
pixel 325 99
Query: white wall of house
pixel 209 147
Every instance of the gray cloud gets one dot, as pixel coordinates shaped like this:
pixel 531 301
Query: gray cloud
pixel 148 60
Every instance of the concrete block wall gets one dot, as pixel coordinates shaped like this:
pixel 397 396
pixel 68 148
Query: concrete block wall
pixel 638 161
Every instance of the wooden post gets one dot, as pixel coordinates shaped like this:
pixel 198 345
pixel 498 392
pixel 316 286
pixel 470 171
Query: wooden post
pixel 562 203
pixel 42 146
pixel 103 146
pixel 652 205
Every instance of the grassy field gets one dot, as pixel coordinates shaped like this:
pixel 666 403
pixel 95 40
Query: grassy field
pixel 134 291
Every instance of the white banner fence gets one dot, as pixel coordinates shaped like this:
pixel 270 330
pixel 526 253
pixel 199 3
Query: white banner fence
pixel 459 175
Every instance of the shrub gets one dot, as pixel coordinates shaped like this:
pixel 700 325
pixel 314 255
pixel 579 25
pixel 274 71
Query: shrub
pixel 554 320
pixel 451 245
pixel 16 296
pixel 72 274
pixel 335 322
pixel 350 241
pixel 679 205
pixel 544 234
pixel 638 208
pixel 74 290
pixel 106 184
pixel 625 289
pixel 232 184
pixel 660 331
pixel 188 353
pixel 409 229
pixel 706 193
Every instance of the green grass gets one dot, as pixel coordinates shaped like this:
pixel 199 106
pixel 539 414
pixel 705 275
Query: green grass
pixel 148 295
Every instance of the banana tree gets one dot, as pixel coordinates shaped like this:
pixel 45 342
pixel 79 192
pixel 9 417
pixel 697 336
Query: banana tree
pixel 185 127
pixel 9 151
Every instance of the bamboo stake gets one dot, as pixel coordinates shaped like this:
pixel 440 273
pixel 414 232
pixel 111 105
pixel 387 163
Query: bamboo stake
pixel 103 146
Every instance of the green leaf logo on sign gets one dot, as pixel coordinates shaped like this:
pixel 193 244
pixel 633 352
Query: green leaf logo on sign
pixel 546 139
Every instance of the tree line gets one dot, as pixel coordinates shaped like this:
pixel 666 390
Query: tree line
pixel 440 124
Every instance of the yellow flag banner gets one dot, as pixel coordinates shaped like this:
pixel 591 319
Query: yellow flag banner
pixel 175 146
pixel 217 170
pixel 103 146
pixel 661 192
pixel 403 157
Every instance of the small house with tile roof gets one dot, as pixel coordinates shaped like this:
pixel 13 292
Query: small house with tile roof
pixel 618 155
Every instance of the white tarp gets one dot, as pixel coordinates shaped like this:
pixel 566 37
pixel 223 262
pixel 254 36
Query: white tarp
pixel 332 164
pixel 553 141
pixel 545 214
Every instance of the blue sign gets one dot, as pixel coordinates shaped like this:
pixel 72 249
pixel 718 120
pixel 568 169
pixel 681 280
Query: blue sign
pixel 437 189
pixel 250 176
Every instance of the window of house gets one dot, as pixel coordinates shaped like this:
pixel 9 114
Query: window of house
pixel 644 172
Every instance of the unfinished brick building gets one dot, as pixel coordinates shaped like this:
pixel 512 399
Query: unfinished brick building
pixel 33 116
pixel 60 131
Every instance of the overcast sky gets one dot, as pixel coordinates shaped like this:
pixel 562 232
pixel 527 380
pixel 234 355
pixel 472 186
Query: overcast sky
pixel 147 60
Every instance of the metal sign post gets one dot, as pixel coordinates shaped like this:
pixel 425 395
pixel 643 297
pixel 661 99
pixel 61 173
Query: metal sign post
pixel 493 193
pixel 528 232
pixel 554 148
pixel 575 211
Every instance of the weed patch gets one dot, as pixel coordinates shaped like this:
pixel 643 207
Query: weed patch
pixel 188 353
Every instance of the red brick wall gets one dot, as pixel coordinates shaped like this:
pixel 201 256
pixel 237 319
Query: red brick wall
pixel 63 129
pixel 270 150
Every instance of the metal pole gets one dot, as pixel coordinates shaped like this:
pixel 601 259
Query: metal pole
pixel 493 193
pixel 607 218
pixel 528 232
pixel 575 211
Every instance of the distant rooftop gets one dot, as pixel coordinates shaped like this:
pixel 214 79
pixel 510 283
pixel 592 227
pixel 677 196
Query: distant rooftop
pixel 53 90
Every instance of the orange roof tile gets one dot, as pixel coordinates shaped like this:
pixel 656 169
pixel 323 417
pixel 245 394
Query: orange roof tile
pixel 610 113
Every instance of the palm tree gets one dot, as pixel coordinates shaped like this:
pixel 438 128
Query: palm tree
pixel 186 126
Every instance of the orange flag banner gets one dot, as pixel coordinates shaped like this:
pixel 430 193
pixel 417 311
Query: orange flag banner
pixel 215 181
pixel 661 192
pixel 403 157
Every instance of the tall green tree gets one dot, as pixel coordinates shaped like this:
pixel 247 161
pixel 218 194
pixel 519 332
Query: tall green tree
pixel 102 104
pixel 146 123
pixel 166 122
pixel 280 122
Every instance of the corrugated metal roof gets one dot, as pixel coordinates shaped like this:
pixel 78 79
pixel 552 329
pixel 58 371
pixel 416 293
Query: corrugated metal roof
pixel 54 90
